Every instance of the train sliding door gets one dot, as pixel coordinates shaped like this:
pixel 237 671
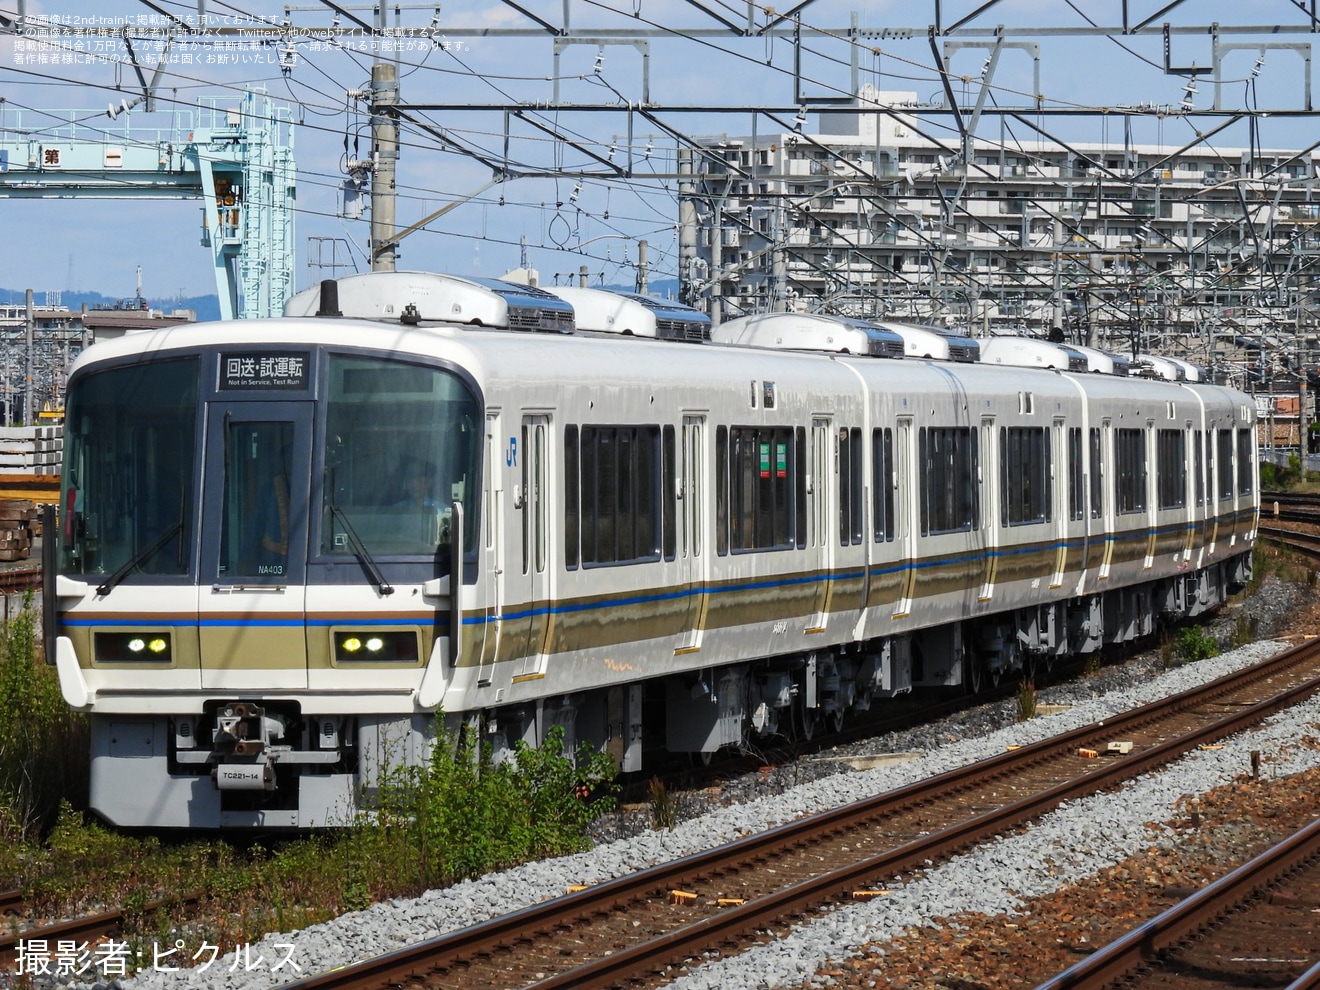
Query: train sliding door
pixel 251 599
pixel 905 470
pixel 529 588
pixel 819 541
pixel 691 529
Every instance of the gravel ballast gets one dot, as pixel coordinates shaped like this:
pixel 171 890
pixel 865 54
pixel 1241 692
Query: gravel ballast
pixel 1065 847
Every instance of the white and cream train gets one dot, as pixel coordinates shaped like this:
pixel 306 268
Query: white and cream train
pixel 285 545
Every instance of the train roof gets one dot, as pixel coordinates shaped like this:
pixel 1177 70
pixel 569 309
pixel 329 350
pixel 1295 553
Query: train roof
pixel 558 361
pixel 810 332
pixel 417 297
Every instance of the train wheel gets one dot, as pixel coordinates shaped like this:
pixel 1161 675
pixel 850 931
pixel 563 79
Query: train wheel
pixel 835 720
pixel 973 673
pixel 702 759
pixel 806 721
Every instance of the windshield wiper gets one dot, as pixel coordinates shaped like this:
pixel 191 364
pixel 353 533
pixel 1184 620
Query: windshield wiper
pixel 360 550
pixel 139 558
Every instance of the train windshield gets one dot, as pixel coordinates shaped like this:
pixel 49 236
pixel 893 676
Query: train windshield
pixel 126 493
pixel 402 445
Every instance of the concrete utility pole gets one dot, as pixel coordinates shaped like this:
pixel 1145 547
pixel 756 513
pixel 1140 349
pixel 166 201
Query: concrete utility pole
pixel 1303 441
pixel 641 267
pixel 687 226
pixel 384 158
pixel 27 361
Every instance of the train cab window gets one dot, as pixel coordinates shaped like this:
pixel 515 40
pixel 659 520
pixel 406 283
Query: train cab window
pixel 128 487
pixel 1024 480
pixel 849 459
pixel 1171 469
pixel 403 442
pixel 882 483
pixel 620 496
pixel 1244 462
pixel 763 471
pixel 1224 459
pixel 1130 453
pixel 950 499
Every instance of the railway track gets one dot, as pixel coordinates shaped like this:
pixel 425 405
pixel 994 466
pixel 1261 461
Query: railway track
pixel 643 929
pixel 1242 930
pixel 85 928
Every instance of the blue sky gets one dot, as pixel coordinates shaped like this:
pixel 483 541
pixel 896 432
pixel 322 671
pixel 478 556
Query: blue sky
pixel 98 245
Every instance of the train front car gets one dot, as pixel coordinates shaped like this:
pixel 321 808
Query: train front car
pixel 253 565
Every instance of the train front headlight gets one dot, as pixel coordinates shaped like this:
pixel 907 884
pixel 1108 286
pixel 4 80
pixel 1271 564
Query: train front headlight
pixel 135 647
pixel 394 646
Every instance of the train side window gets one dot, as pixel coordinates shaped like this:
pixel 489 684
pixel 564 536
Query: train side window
pixel 620 478
pixel 1244 461
pixel 882 483
pixel 1097 476
pixel 571 507
pixel 1076 481
pixel 1198 448
pixel 669 494
pixel 1024 458
pixel 722 490
pixel 1130 451
pixel 1224 457
pixel 762 483
pixel 850 486
pixel 950 496
pixel 1171 469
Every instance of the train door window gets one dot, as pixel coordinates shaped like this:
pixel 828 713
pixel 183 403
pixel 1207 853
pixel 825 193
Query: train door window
pixel 1130 452
pixel 533 495
pixel 668 494
pixel 950 500
pixel 1244 462
pixel 571 506
pixel 1171 469
pixel 800 514
pixel 721 490
pixel 254 516
pixel 762 480
pixel 1076 475
pixel 1224 464
pixel 822 471
pixel 692 468
pixel 882 483
pixel 1024 457
pixel 851 520
pixel 1097 476
pixel 1198 447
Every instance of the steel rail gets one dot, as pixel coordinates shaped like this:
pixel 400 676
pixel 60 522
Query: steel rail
pixel 90 925
pixel 734 923
pixel 1167 930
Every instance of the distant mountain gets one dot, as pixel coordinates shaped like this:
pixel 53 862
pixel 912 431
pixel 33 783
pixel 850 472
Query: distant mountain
pixel 206 307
